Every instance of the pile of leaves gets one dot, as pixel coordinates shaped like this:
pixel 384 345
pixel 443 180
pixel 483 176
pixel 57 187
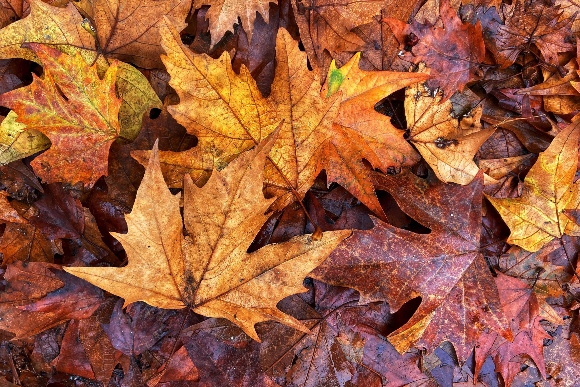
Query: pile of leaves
pixel 319 193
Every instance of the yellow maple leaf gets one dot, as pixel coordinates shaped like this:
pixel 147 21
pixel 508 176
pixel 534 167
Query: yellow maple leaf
pixel 536 217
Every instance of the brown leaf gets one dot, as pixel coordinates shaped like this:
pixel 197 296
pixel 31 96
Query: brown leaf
pixel 395 265
pixel 535 24
pixel 453 53
pixel 76 110
pixel 535 218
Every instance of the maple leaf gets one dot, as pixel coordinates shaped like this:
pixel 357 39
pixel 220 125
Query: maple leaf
pixel 129 31
pixel 570 9
pixel 223 14
pixel 232 116
pixel 447 144
pixel 328 24
pixel 47 24
pixel 533 24
pixel 209 270
pixel 396 265
pixel 521 308
pixel 344 344
pixel 536 217
pixel 16 142
pixel 76 110
pixel 359 132
pixel 452 53
pixel 45 288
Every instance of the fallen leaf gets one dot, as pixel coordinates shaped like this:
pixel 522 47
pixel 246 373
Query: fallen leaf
pixel 535 218
pixel 222 15
pixel 443 267
pixel 453 53
pixel 446 143
pixel 209 270
pixel 76 110
pixel 16 142
pixel 533 24
pixel 359 132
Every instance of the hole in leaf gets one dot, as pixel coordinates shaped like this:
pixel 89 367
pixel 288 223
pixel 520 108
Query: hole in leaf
pixel 402 316
pixel 154 113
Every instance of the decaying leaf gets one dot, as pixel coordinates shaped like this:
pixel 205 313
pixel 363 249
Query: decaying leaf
pixel 453 53
pixel 443 267
pixel 533 24
pixel 209 270
pixel 536 217
pixel 446 143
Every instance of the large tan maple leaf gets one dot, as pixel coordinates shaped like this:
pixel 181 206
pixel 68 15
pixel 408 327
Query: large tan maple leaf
pixel 537 216
pixel 75 109
pixel 210 270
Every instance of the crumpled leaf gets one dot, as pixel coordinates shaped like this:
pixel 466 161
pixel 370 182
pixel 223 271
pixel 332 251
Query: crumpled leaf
pixel 453 53
pixel 16 142
pixel 12 10
pixel 359 132
pixel 209 270
pixel 536 217
pixel 76 110
pixel 447 144
pixel 533 23
pixel 443 267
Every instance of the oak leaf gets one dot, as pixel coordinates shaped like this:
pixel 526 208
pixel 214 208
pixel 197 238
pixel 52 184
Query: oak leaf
pixel 447 144
pixel 533 24
pixel 453 53
pixel 76 110
pixel 359 132
pixel 209 270
pixel 444 267
pixel 536 217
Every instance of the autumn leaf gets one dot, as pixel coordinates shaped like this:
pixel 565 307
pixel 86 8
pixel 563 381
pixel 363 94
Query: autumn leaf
pixel 533 24
pixel 453 53
pixel 447 144
pixel 223 14
pixel 328 24
pixel 16 142
pixel 536 217
pixel 76 110
pixel 39 296
pixel 129 31
pixel 443 267
pixel 359 132
pixel 209 270
pixel 232 116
